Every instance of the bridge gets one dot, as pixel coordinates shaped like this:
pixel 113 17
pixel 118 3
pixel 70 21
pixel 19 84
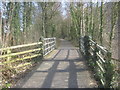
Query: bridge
pixel 67 66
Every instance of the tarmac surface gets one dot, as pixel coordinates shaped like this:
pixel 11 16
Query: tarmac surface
pixel 65 68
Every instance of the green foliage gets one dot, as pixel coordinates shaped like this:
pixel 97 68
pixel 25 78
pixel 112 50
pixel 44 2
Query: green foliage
pixel 53 31
pixel 7 85
pixel 114 16
pixel 94 58
pixel 16 22
pixel 109 71
pixel 45 19
pixel 101 23
pixel 92 62
pixel 76 20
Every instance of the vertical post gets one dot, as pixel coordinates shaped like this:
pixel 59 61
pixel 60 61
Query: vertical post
pixel 95 55
pixel 79 43
pixel 0 45
pixel 55 43
pixel 87 47
pixel 8 52
pixel 9 57
pixel 109 71
pixel 0 29
pixel 41 46
pixel 82 45
pixel 118 39
pixel 50 44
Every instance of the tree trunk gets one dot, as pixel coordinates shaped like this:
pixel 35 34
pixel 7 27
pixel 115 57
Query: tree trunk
pixel 0 29
pixel 101 23
pixel 119 36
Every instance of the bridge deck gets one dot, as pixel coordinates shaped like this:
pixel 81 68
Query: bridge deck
pixel 64 69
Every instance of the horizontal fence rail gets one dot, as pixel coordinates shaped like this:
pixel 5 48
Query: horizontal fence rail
pixel 49 44
pixel 15 54
pixel 99 59
pixel 15 58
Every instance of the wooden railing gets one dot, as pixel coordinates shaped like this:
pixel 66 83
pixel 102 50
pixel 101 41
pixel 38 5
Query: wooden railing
pixel 19 53
pixel 99 59
pixel 102 57
pixel 49 44
pixel 16 58
pixel 9 53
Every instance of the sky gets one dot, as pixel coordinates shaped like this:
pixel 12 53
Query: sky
pixel 63 8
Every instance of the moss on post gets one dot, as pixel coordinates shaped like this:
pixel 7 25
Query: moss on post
pixel 87 47
pixel 109 71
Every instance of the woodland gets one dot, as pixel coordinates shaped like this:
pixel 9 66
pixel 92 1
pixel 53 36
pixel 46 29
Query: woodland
pixel 26 22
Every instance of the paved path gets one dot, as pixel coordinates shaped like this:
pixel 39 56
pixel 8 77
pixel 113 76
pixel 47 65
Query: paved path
pixel 65 69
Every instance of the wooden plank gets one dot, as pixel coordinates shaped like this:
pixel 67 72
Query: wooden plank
pixel 92 41
pixel 82 46
pixel 21 65
pixel 101 68
pixel 102 82
pixel 49 43
pixel 49 47
pixel 103 49
pixel 92 48
pixel 100 57
pixel 91 53
pixel 19 53
pixel 99 61
pixel 49 38
pixel 48 52
pixel 19 59
pixel 20 46
pixel 99 47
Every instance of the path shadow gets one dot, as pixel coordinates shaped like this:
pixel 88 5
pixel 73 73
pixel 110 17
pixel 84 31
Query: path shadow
pixel 71 70
pixel 49 78
pixel 23 80
pixel 72 76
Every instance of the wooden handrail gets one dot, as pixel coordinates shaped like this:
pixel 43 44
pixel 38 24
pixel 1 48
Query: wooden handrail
pixel 20 46
pixel 51 43
pixel 19 53
pixel 99 56
pixel 51 46
pixel 98 46
pixel 19 57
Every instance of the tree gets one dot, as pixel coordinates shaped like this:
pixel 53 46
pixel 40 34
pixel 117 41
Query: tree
pixel 0 28
pixel 101 23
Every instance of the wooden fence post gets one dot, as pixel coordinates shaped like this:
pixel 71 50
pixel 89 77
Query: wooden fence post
pixel 55 43
pixel 80 43
pixel 9 57
pixel 109 71
pixel 95 56
pixel 87 47
pixel 41 46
